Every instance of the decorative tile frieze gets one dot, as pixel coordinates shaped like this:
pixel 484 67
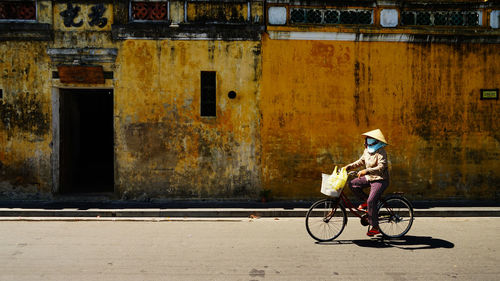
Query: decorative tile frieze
pixel 149 11
pixel 18 10
pixel 441 18
pixel 330 16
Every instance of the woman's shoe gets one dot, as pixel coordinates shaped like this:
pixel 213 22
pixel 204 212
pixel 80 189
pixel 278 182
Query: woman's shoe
pixel 363 206
pixel 373 232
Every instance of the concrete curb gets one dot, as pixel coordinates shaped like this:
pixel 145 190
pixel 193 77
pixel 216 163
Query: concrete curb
pixel 20 214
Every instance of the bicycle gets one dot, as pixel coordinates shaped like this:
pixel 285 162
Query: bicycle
pixel 327 218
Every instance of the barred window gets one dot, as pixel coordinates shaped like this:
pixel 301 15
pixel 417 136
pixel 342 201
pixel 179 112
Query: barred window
pixel 217 12
pixel 331 16
pixel 149 10
pixel 313 16
pixel 298 15
pixel 17 11
pixel 441 18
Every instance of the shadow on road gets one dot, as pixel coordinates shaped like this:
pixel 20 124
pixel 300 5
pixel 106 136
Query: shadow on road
pixel 404 243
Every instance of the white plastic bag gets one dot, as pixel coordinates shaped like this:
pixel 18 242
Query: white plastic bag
pixel 332 185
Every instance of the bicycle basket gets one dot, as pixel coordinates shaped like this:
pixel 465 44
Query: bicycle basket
pixel 332 185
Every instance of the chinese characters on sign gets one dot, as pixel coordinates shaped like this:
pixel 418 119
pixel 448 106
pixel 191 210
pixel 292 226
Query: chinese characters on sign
pixel 70 14
pixel 96 17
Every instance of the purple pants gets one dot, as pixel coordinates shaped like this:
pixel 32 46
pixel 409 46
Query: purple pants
pixel 376 190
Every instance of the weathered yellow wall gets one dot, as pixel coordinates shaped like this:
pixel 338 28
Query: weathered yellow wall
pixel 319 96
pixel 25 127
pixel 163 147
pixel 299 110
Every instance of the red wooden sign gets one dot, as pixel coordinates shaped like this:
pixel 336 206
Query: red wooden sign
pixel 81 74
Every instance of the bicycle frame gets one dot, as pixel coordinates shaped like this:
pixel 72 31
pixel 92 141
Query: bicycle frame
pixel 348 204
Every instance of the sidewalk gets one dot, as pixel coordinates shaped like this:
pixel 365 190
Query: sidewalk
pixel 213 209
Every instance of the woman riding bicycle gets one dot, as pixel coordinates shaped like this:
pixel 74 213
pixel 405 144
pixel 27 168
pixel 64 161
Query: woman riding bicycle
pixel 375 175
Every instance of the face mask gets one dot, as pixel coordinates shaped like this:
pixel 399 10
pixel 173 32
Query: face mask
pixel 370 141
pixel 373 145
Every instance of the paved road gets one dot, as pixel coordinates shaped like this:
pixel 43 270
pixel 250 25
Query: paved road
pixel 245 249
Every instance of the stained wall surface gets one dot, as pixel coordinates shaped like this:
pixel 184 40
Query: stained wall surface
pixel 25 112
pixel 319 96
pixel 304 92
pixel 163 146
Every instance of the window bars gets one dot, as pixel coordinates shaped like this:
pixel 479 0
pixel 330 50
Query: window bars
pixel 441 18
pixel 330 16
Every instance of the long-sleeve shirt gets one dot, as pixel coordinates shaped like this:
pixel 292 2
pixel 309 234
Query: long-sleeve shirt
pixel 375 165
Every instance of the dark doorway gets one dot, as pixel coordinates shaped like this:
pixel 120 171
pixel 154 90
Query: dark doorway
pixel 86 141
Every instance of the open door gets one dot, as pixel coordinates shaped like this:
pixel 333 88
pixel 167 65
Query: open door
pixel 86 141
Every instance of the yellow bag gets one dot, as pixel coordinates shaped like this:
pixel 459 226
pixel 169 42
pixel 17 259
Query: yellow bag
pixel 332 185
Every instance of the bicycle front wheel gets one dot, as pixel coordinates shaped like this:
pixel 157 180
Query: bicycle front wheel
pixel 395 216
pixel 326 219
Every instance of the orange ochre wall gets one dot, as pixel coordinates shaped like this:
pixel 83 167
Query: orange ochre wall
pixel 299 110
pixel 163 148
pixel 318 97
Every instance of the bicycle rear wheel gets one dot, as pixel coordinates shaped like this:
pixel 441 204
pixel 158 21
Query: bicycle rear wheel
pixel 326 219
pixel 395 216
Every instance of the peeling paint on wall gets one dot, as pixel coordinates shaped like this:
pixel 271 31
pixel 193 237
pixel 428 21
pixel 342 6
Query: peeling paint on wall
pixel 164 147
pixel 25 113
pixel 25 121
pixel 297 107
pixel 425 98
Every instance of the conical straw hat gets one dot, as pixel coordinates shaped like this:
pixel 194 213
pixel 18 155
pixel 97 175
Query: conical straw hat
pixel 376 134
